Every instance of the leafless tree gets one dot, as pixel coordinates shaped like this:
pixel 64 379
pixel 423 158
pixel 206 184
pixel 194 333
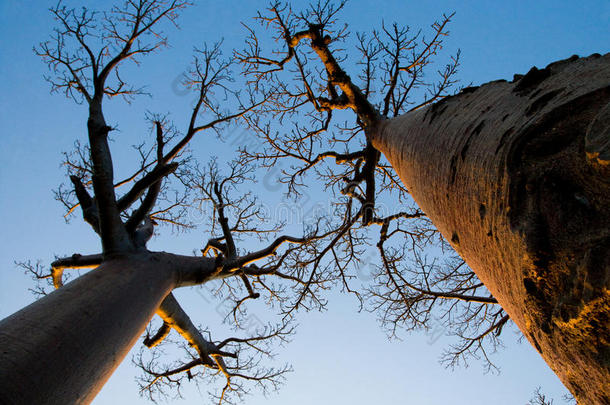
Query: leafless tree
pixel 289 271
pixel 475 166
pixel 413 286
pixel 417 280
pixel 85 57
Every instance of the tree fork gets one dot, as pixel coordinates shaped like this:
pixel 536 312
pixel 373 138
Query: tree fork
pixel 517 177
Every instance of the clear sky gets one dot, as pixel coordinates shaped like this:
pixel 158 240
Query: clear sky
pixel 339 356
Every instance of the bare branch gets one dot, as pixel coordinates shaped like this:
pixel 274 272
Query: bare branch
pixel 152 341
pixel 140 186
pixel 87 204
pixel 77 261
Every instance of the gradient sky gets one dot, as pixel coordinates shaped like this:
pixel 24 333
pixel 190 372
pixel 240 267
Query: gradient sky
pixel 339 356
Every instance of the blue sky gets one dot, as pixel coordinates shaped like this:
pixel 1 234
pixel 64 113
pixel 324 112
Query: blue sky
pixel 339 356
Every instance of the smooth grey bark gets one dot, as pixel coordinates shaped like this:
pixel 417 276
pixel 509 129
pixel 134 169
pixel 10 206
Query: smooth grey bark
pixel 62 348
pixel 113 234
pixel 517 177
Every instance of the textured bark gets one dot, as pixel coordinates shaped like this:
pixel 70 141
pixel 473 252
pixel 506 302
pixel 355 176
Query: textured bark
pixel 62 348
pixel 517 177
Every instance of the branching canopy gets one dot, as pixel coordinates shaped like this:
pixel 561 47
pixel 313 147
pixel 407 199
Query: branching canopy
pixel 313 119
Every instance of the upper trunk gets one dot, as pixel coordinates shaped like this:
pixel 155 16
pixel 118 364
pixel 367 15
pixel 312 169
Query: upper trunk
pixel 517 177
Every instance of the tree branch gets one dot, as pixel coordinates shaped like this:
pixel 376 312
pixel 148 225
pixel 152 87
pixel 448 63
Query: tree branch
pixel 87 204
pixel 152 341
pixel 140 186
pixel 172 313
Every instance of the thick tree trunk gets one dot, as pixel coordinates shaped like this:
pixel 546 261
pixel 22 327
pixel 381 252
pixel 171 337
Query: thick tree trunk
pixel 62 348
pixel 517 177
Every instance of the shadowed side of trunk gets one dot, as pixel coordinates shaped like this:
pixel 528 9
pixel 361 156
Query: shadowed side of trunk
pixel 517 177
pixel 62 348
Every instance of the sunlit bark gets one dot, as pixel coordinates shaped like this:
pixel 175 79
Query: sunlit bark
pixel 517 177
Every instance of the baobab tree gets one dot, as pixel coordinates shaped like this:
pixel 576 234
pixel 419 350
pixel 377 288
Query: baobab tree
pixel 410 287
pixel 514 175
pixel 109 305
pixel 73 338
pixel 95 319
